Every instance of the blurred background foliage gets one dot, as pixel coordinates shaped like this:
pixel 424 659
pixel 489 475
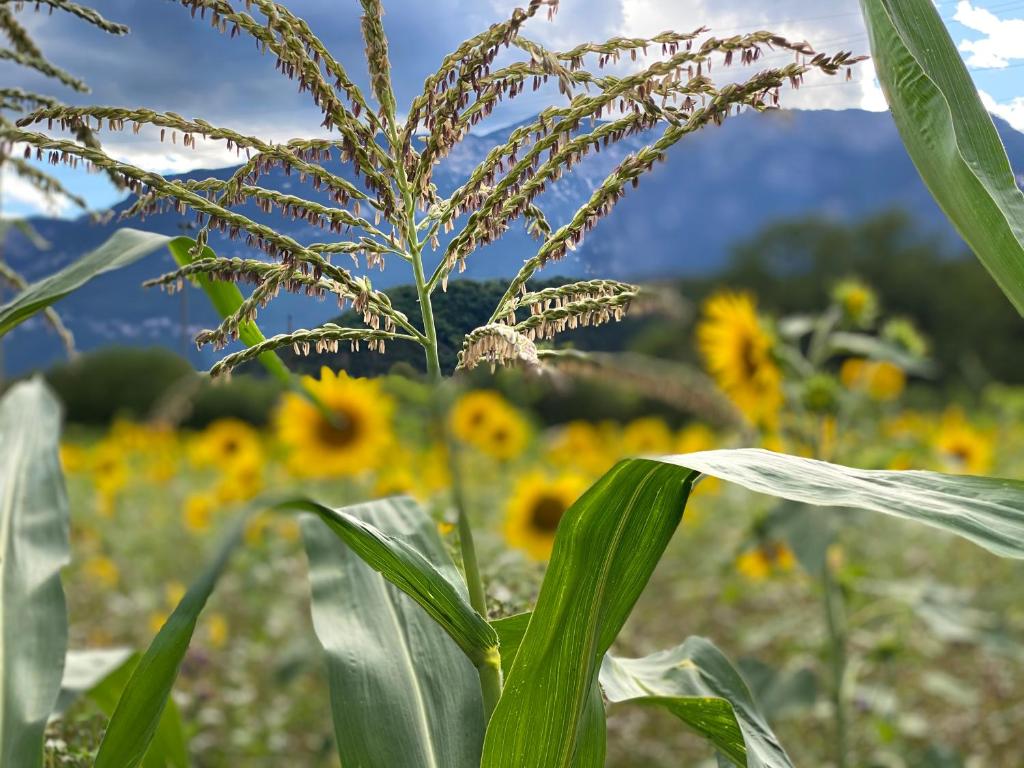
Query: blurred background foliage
pixel 791 266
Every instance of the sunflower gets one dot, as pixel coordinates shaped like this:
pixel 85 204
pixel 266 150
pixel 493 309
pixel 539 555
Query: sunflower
pixel 217 630
pixel 584 446
pixel 646 436
pixel 535 509
pixel 737 349
pixel 344 433
pixel 73 458
pixel 690 439
pixel 962 447
pixel 197 514
pixel 858 302
pixel 879 379
pixel 242 480
pixel 108 468
pixel 226 443
pixel 102 570
pixel 485 420
pixel 766 559
pixel 397 477
pixel 694 437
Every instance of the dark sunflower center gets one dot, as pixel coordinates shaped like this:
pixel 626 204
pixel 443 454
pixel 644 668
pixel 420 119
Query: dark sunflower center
pixel 230 446
pixel 748 357
pixel 339 432
pixel 961 453
pixel 546 513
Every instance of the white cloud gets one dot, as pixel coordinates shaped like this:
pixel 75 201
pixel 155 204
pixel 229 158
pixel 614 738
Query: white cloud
pixel 1003 39
pixel 21 198
pixel 829 25
pixel 1011 111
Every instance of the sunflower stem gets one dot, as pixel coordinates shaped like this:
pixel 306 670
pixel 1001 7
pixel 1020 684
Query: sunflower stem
pixel 835 622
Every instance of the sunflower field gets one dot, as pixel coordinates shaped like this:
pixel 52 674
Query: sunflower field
pixel 739 562
pixel 800 546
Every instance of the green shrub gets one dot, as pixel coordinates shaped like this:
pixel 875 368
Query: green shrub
pixel 117 381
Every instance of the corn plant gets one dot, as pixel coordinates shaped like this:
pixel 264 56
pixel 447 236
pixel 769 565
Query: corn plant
pixel 949 135
pixel 419 673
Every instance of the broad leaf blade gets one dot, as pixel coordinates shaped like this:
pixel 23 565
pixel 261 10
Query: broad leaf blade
pixel 592 739
pixel 124 247
pixel 406 568
pixel 141 706
pixel 33 549
pixel 697 683
pixel 949 134
pixel 388 662
pixel 607 545
pixel 985 510
pixel 226 299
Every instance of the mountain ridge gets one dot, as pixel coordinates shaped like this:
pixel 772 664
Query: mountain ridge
pixel 715 187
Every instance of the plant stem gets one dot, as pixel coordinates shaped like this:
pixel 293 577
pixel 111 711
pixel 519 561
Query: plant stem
pixel 490 670
pixel 427 313
pixel 835 621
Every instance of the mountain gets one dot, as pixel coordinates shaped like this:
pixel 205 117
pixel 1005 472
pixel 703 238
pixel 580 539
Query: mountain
pixel 716 186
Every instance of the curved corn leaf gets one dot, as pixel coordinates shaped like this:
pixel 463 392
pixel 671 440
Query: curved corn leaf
pixel 607 545
pixel 698 684
pixel 406 568
pixel 124 247
pixel 694 681
pixel 388 662
pixel 101 675
pixel 33 549
pixel 949 134
pixel 141 706
pixel 226 298
pixel 985 510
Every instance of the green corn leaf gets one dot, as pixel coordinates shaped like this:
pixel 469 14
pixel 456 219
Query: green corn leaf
pixel 406 568
pixel 988 511
pixel 698 684
pixel 694 681
pixel 124 247
pixel 510 630
pixel 593 737
pixel 33 549
pixel 949 134
pixel 607 545
pixel 101 676
pixel 388 662
pixel 226 299
pixel 141 706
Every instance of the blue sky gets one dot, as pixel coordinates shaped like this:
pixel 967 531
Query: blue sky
pixel 171 62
